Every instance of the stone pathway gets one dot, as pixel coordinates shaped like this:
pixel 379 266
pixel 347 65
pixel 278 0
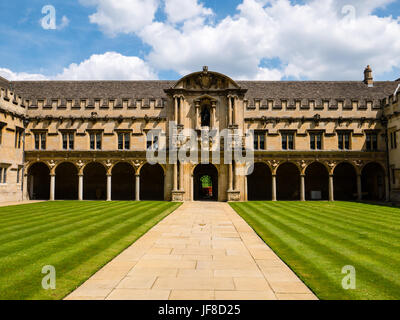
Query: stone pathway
pixel 202 251
pixel 17 203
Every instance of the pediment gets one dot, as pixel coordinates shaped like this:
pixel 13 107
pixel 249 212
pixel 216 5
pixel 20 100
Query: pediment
pixel 206 80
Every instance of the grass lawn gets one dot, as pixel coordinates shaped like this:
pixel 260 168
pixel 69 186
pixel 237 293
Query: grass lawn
pixel 317 239
pixel 77 238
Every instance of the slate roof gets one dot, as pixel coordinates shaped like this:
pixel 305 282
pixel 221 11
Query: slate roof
pixel 290 90
pixel 4 82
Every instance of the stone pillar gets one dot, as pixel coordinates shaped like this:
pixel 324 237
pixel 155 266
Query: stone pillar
pixel 197 115
pixel 302 188
pixel 331 188
pixel 181 175
pixel 176 110
pixel 233 111
pixel 230 174
pixel 181 111
pixel 52 187
pixel 229 111
pixel 137 187
pixel 359 187
pixel 80 187
pixel 213 116
pixel 109 197
pixel 175 188
pixel 274 187
pixel 387 188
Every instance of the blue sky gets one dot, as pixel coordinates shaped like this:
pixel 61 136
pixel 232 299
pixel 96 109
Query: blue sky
pixel 28 48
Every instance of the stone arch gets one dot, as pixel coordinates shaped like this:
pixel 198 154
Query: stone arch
pixel 259 182
pixel 39 181
pixel 66 181
pixel 288 181
pixel 205 173
pixel 94 181
pixel 373 181
pixel 317 181
pixel 123 181
pixel 345 181
pixel 152 182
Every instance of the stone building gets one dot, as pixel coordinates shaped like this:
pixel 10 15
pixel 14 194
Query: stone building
pixel 88 140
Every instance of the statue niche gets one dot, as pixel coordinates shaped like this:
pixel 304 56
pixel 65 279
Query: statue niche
pixel 205 116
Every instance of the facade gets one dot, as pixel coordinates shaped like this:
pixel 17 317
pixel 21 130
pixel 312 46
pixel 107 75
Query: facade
pixel 86 140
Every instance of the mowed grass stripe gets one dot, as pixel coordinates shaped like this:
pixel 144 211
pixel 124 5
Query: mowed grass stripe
pixel 384 239
pixel 79 254
pixel 79 219
pixel 382 283
pixel 67 235
pixel 67 261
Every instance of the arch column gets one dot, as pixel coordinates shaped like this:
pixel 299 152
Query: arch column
pixel 302 187
pixel 175 187
pixel 213 116
pixel 229 110
pixel 52 186
pixel 109 184
pixel 359 187
pixel 331 188
pixel 230 169
pixel 273 187
pixel 137 187
pixel 176 110
pixel 80 186
pixel 181 176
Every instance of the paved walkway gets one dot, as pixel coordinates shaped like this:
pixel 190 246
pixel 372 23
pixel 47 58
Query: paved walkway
pixel 202 251
pixel 16 203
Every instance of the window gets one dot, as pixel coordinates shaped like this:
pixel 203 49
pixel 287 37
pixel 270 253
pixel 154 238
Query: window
pixel 316 141
pixel 344 140
pixel 18 137
pixel 95 140
pixel 372 141
pixel 393 140
pixel 259 140
pixel 40 141
pixel 288 141
pixel 68 140
pixel 3 175
pixel 124 141
pixel 152 142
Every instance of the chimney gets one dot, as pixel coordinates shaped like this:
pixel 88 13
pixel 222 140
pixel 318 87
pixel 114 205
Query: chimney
pixel 368 78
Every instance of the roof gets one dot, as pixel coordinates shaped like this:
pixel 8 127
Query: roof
pixel 4 82
pixel 289 90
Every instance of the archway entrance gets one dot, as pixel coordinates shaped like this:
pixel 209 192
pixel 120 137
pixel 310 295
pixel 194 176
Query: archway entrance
pixel 66 182
pixel 288 182
pixel 39 182
pixel 94 182
pixel 345 182
pixel 373 182
pixel 152 182
pixel 259 183
pixel 317 182
pixel 205 180
pixel 123 182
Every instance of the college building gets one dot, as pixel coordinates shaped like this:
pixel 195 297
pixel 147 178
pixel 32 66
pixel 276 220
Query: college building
pixel 88 140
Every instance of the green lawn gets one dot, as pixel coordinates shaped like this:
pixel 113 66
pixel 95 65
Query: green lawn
pixel 317 239
pixel 77 238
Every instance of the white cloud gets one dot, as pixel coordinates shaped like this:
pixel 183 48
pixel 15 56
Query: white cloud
pixel 108 66
pixel 20 76
pixel 122 16
pixel 178 10
pixel 64 23
pixel 313 40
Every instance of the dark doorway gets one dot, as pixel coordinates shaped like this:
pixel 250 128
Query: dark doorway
pixel 259 183
pixel 373 182
pixel 152 182
pixel 205 116
pixel 94 182
pixel 123 182
pixel 205 179
pixel 39 181
pixel 66 182
pixel 288 182
pixel 317 182
pixel 345 182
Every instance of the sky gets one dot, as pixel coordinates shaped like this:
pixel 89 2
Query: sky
pixel 166 39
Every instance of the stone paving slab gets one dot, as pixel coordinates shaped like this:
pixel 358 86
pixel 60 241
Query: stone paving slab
pixel 202 251
pixel 17 203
